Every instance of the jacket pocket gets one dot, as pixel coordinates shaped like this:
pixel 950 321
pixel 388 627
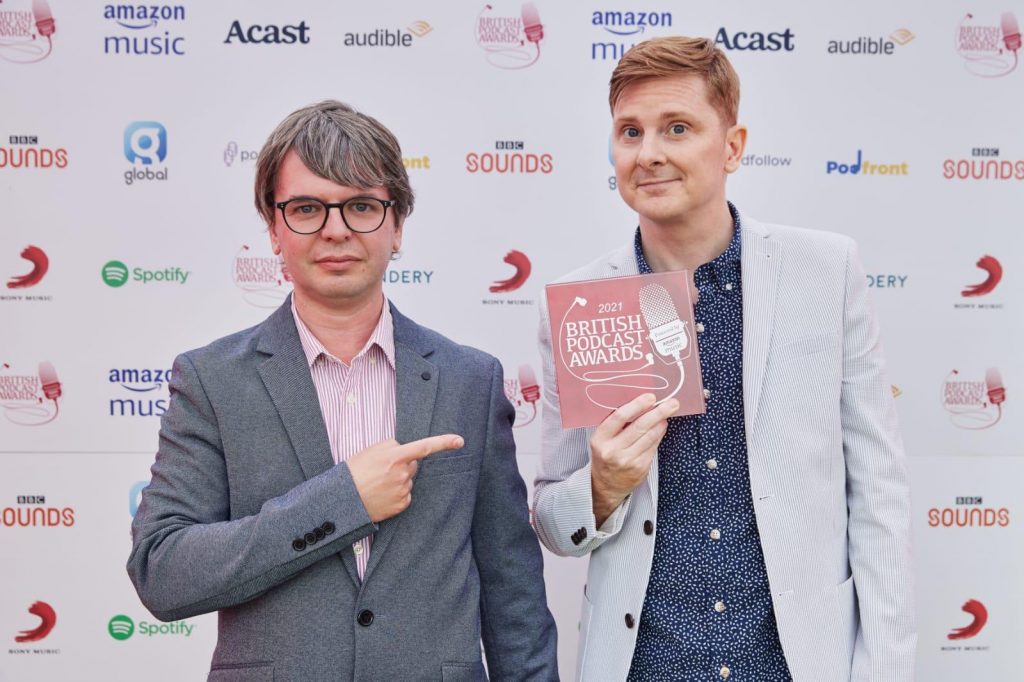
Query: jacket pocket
pixel 242 672
pixel 463 672
pixel 448 464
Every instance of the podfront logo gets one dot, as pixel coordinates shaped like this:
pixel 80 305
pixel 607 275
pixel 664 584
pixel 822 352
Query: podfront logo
pixel 523 267
pixel 388 37
pixel 510 41
pixel 757 41
pixel 263 280
pixel 993 275
pixel 870 46
pixel 268 34
pixel 523 391
pixel 145 144
pixel 26 398
pixel 969 512
pixel 137 382
pixel 416 162
pixel 47 620
pixel 989 50
pixel 972 404
pixel 862 167
pixel 620 25
pixel 983 164
pixel 232 153
pixel 121 628
pixel 978 618
pixel 115 274
pixel 24 151
pixel 26 31
pixel 32 511
pixel 509 157
pixel 38 266
pixel 144 30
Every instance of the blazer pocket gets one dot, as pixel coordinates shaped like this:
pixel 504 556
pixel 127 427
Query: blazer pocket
pixel 242 672
pixel 448 464
pixel 805 345
pixel 463 672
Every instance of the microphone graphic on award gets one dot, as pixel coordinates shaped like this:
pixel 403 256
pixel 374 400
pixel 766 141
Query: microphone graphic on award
pixel 622 337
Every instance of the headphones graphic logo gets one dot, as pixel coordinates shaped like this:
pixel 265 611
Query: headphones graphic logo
pixel 24 43
pixel 979 615
pixel 993 269
pixel 40 264
pixel 504 50
pixel 47 620
pixel 521 263
pixel 982 56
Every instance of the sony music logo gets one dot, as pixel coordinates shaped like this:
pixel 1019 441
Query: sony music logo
pixel 523 268
pixel 510 157
pixel 38 266
pixel 977 293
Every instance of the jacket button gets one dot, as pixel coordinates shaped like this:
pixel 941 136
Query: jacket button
pixel 365 618
pixel 310 538
pixel 648 527
pixel 319 533
pixel 328 528
pixel 298 544
pixel 629 621
pixel 426 376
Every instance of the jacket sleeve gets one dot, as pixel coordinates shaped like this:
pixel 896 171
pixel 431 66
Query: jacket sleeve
pixel 878 497
pixel 563 499
pixel 518 631
pixel 187 557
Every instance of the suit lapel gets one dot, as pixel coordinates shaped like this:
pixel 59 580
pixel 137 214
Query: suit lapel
pixel 415 393
pixel 760 260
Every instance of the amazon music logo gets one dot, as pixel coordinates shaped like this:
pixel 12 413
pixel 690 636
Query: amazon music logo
pixel 989 49
pixel 30 399
pixel 521 263
pixel 43 620
pixel 150 30
pixel 29 275
pixel 619 27
pixel 509 157
pixel 975 620
pixel 26 31
pixel 32 511
pixel 974 404
pixel 510 39
pixel 143 392
pixel 262 277
pixel 982 285
pixel 523 390
pixel 24 151
pixel 984 163
pixel 969 511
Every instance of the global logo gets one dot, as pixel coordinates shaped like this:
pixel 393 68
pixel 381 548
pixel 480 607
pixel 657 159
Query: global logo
pixel 26 398
pixel 145 144
pixel 510 41
pixel 523 391
pixel 121 627
pixel 989 50
pixel 521 263
pixel 47 620
pixel 862 167
pixel 974 405
pixel 263 280
pixel 622 24
pixel 40 265
pixel 135 497
pixel 26 32
pixel 778 41
pixel 979 616
pixel 138 381
pixel 115 274
pixel 149 30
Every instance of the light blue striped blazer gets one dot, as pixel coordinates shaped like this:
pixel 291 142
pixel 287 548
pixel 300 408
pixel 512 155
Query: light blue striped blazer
pixel 827 473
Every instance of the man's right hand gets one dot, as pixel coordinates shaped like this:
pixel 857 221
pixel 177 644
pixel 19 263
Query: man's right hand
pixel 622 449
pixel 383 472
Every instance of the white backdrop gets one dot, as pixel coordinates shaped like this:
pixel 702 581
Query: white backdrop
pixel 464 87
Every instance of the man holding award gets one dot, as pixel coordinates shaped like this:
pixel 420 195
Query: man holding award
pixel 764 534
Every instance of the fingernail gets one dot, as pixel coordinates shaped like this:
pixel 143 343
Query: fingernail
pixel 458 442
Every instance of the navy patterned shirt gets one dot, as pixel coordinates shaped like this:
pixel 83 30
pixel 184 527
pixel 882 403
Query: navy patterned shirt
pixel 708 610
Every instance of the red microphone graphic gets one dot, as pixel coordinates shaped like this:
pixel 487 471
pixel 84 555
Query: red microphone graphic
pixel 40 264
pixel 530 389
pixel 980 616
pixel 1011 31
pixel 521 263
pixel 994 384
pixel 48 618
pixel 44 19
pixel 995 273
pixel 535 30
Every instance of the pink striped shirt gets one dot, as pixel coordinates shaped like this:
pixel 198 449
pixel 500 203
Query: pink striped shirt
pixel 357 400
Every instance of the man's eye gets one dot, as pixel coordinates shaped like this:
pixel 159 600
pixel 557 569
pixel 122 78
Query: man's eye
pixel 678 129
pixel 631 132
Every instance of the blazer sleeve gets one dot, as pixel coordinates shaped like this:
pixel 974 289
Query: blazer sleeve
pixel 187 556
pixel 563 499
pixel 878 497
pixel 518 631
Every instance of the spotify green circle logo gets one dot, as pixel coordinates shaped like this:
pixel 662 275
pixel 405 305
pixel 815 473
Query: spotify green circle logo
pixel 121 627
pixel 114 273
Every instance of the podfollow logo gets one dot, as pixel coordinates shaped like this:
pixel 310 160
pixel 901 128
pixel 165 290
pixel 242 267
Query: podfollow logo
pixel 121 627
pixel 116 274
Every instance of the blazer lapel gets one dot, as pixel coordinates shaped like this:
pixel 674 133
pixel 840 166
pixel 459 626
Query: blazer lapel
pixel 415 393
pixel 759 261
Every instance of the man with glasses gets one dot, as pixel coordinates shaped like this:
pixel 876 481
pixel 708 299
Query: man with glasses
pixel 339 482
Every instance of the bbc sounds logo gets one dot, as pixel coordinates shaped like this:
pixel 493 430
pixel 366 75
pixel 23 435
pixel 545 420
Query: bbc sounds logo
pixel 510 157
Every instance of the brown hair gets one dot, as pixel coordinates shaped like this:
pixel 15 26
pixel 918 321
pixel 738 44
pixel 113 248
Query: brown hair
pixel 679 56
pixel 337 143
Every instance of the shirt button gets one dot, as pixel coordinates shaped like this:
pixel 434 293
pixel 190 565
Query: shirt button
pixel 630 622
pixel 648 527
pixel 351 399
pixel 700 327
pixel 707 394
pixel 358 549
pixel 728 286
pixel 716 534
pixel 712 464
pixel 720 606
pixel 724 672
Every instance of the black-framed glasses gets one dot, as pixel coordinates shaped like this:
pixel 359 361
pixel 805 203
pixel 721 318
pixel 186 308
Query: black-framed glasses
pixel 308 215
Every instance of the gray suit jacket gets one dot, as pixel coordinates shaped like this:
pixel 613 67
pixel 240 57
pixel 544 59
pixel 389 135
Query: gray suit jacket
pixel 247 514
pixel 827 473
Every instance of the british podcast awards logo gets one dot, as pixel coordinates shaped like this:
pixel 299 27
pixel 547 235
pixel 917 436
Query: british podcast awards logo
pixel 30 399
pixel 26 31
pixel 510 41
pixel 263 280
pixel 989 50
pixel 974 404
pixel 523 391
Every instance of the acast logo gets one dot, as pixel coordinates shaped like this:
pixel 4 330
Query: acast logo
pixel 268 34
pixel 756 41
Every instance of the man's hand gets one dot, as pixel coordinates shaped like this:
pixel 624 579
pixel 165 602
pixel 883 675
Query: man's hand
pixel 383 472
pixel 622 449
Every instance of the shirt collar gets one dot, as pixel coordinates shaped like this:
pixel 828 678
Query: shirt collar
pixel 730 255
pixel 383 337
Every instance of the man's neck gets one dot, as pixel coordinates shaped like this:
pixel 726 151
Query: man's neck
pixel 688 244
pixel 342 329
